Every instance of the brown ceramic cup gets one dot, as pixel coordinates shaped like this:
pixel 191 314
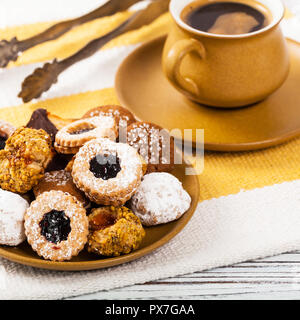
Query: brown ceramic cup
pixel 226 70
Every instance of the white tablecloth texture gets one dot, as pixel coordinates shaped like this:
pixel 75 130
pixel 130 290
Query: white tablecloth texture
pixel 223 231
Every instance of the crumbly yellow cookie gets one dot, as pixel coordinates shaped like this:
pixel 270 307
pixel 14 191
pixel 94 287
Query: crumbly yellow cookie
pixel 23 161
pixel 114 231
pixel 56 226
pixel 107 172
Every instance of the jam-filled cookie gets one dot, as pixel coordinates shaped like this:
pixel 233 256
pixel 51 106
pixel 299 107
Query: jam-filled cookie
pixel 56 226
pixel 81 131
pixel 60 180
pixel 107 172
pixel 154 144
pixel 160 199
pixel 123 117
pixel 12 211
pixel 6 130
pixel 66 150
pixel 114 231
pixel 23 161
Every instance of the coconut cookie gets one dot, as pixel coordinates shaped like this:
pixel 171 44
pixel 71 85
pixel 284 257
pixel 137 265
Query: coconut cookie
pixel 56 226
pixel 107 172
pixel 12 210
pixel 160 199
pixel 114 231
pixel 154 144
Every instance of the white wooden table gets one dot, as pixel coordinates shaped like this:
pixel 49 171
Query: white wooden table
pixel 271 278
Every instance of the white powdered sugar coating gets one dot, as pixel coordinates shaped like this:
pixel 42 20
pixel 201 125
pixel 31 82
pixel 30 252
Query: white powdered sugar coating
pixel 60 201
pixel 151 141
pixel 160 199
pixel 59 178
pixel 101 127
pixel 12 210
pixel 127 180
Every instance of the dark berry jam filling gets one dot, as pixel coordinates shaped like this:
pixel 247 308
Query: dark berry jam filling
pixel 2 142
pixel 105 166
pixel 55 226
pixel 81 131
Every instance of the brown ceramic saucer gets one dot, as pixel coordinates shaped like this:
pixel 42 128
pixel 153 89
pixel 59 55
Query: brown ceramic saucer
pixel 155 238
pixel 142 87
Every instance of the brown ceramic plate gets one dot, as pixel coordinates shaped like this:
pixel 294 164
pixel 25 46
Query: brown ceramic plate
pixel 155 238
pixel 142 87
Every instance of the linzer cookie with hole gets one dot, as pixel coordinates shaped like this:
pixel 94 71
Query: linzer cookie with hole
pixel 114 231
pixel 154 144
pixel 107 172
pixel 56 226
pixel 79 132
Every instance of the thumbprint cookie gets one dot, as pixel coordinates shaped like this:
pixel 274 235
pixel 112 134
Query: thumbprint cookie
pixel 160 199
pixel 79 132
pixel 154 144
pixel 56 226
pixel 12 211
pixel 114 231
pixel 107 172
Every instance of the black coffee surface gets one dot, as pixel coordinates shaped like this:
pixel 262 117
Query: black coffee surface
pixel 2 142
pixel 225 18
pixel 55 226
pixel 105 166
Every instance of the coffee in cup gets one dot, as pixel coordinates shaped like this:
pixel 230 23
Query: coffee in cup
pixel 226 53
pixel 226 17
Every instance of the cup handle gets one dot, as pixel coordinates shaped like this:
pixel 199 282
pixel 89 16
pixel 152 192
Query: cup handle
pixel 173 62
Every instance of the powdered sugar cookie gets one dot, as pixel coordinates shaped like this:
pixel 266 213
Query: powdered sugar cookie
pixel 123 117
pixel 160 199
pixel 60 180
pixel 56 226
pixel 12 210
pixel 154 144
pixel 107 172
pixel 79 132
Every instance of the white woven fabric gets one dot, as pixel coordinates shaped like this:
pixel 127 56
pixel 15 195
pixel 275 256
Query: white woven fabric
pixel 223 231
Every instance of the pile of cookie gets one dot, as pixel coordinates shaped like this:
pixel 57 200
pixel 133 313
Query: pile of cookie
pixel 92 183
